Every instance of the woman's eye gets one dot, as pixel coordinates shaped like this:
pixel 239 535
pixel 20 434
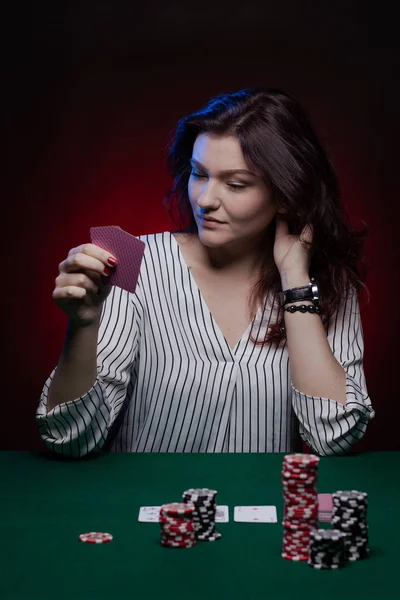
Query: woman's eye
pixel 233 186
pixel 236 186
pixel 195 174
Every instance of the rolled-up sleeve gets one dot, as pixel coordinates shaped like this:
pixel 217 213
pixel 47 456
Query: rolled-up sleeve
pixel 81 426
pixel 328 426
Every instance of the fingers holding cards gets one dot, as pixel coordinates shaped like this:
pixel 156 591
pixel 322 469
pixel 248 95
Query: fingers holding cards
pixel 98 257
pixel 81 285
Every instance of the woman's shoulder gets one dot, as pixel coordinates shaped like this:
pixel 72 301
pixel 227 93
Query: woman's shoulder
pixel 162 237
pixel 154 240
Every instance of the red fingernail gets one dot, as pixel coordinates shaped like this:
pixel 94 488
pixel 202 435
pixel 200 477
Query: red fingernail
pixel 107 271
pixel 112 261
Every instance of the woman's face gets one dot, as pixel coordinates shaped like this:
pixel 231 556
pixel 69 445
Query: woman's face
pixel 224 187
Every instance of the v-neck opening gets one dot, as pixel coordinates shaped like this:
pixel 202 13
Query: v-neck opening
pixel 205 305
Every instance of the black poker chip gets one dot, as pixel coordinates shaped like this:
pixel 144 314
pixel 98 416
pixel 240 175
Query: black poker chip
pixel 327 550
pixel 205 508
pixel 349 515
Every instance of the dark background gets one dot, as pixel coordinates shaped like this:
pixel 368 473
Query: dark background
pixel 91 93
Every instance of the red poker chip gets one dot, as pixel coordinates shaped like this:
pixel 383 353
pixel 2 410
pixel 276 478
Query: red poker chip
pixel 288 482
pixel 298 525
pixel 96 537
pixel 295 471
pixel 300 520
pixel 288 487
pixel 299 479
pixel 295 512
pixel 177 531
pixel 300 486
pixel 295 557
pixel 176 523
pixel 304 535
pixel 296 543
pixel 302 459
pixel 297 538
pixel 292 524
pixel 289 547
pixel 178 544
pixel 304 485
pixel 300 503
pixel 288 544
pixel 168 545
pixel 295 549
pixel 177 509
pixel 300 534
pixel 178 538
pixel 299 507
pixel 310 494
pixel 296 552
pixel 298 469
pixel 189 525
pixel 302 517
pixel 306 507
pixel 292 507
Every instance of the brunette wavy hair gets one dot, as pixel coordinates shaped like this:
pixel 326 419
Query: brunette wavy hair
pixel 277 139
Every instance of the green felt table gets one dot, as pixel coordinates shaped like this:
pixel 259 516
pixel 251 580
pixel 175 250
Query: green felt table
pixel 46 502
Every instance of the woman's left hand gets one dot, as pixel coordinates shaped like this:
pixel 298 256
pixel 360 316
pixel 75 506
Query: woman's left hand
pixel 292 257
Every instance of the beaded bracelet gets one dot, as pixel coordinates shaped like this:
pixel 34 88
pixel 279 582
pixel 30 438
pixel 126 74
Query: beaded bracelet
pixel 315 308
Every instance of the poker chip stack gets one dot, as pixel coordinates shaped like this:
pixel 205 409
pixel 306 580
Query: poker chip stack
pixel 349 515
pixel 177 527
pixel 205 508
pixel 299 479
pixel 327 549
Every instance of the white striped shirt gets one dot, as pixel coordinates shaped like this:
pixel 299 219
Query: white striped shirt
pixel 169 382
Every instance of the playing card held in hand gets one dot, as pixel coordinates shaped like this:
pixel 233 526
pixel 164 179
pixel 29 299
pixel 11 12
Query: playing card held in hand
pixel 128 251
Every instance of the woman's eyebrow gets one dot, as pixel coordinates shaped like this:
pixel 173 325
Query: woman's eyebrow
pixel 193 161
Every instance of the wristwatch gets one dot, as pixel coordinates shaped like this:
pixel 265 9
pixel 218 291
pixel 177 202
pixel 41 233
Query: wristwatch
pixel 306 292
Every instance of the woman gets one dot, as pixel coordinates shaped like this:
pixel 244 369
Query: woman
pixel 244 329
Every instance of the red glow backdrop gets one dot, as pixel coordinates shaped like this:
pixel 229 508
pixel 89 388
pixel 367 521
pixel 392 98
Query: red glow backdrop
pixel 88 118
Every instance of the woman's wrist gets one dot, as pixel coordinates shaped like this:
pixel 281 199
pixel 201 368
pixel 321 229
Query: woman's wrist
pixel 292 280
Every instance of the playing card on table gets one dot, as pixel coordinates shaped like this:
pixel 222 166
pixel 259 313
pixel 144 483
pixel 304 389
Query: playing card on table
pixel 255 514
pixel 151 514
pixel 222 514
pixel 128 251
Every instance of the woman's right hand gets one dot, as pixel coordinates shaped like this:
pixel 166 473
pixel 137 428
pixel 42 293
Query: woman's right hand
pixel 81 286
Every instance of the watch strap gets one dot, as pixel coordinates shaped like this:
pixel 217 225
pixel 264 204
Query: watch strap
pixel 298 294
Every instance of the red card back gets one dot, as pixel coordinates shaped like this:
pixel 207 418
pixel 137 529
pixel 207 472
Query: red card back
pixel 128 251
